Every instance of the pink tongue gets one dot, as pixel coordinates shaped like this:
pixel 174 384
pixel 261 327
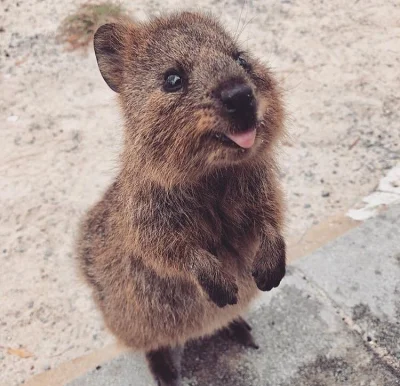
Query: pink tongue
pixel 245 140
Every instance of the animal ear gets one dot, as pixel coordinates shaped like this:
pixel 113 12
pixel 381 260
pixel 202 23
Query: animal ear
pixel 109 50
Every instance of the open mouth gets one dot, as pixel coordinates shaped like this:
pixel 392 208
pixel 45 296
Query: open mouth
pixel 242 140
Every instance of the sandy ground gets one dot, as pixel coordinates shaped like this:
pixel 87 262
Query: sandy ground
pixel 60 133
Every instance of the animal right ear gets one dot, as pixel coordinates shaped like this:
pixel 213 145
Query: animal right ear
pixel 109 47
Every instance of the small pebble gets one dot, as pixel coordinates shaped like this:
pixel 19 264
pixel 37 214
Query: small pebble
pixel 325 194
pixel 12 118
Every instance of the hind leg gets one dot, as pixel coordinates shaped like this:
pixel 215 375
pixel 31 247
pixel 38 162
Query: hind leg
pixel 239 330
pixel 165 365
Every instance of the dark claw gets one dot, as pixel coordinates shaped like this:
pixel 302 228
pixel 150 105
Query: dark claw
pixel 270 266
pixel 244 323
pixel 221 293
pixel 266 280
pixel 222 297
pixel 239 330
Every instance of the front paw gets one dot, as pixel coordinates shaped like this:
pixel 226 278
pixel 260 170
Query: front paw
pixel 269 266
pixel 220 287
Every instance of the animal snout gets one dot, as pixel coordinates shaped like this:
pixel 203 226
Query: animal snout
pixel 239 104
pixel 237 99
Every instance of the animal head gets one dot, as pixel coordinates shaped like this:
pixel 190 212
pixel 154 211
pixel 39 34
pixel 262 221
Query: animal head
pixel 193 100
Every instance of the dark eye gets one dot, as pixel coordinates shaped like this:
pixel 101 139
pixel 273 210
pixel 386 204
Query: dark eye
pixel 172 81
pixel 242 62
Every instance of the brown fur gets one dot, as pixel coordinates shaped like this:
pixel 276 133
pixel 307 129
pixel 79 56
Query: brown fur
pixel 171 249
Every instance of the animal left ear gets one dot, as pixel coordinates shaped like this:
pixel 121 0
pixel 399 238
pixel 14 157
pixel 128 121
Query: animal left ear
pixel 109 47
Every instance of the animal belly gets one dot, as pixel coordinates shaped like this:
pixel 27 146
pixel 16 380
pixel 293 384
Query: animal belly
pixel 166 312
pixel 215 318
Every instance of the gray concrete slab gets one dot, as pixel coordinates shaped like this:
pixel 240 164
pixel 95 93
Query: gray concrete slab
pixel 303 341
pixel 360 272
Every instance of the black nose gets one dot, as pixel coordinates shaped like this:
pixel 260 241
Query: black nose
pixel 238 99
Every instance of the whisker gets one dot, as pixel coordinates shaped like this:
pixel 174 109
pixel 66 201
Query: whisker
pixel 240 18
pixel 245 25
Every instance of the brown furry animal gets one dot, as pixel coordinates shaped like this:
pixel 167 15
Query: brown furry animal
pixel 192 224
